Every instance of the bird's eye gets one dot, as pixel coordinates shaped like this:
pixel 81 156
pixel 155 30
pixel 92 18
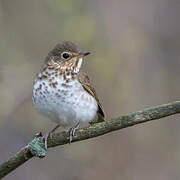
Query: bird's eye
pixel 65 55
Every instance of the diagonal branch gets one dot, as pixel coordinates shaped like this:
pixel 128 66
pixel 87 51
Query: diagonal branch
pixel 93 131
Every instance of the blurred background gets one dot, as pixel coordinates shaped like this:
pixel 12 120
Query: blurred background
pixel 134 65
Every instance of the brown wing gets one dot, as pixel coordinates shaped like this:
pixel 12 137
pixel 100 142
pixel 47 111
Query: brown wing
pixel 84 80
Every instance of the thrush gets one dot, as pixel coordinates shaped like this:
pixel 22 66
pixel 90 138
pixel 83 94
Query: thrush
pixel 63 93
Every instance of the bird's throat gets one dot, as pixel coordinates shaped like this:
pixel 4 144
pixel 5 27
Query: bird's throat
pixel 78 65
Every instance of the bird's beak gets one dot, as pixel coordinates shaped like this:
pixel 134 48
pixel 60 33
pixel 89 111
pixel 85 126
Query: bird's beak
pixel 82 54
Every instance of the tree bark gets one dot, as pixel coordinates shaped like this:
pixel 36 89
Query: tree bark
pixel 95 130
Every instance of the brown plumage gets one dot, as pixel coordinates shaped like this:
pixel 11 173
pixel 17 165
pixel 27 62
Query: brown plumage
pixel 81 76
pixel 85 82
pixel 60 48
pixel 63 93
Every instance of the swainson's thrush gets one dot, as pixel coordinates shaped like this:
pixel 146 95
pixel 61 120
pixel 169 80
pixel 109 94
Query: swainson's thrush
pixel 63 93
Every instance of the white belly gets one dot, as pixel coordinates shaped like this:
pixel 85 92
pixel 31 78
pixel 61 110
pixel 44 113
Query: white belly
pixel 65 105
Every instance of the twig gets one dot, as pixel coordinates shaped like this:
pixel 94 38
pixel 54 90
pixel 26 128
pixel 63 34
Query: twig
pixel 95 130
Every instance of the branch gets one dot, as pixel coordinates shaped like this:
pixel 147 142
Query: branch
pixel 93 131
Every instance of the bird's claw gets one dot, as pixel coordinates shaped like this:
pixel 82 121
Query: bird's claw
pixel 72 132
pixel 46 136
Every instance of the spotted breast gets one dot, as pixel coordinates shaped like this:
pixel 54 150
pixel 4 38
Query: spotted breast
pixel 62 98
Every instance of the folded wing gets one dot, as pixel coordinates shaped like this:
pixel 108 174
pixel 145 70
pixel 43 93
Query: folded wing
pixel 84 80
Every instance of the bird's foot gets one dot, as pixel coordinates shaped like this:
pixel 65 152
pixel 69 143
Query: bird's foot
pixel 72 132
pixel 46 136
pixel 49 135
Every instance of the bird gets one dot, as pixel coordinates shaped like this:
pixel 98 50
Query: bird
pixel 63 93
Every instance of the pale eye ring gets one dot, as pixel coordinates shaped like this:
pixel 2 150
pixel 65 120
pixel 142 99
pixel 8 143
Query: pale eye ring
pixel 65 55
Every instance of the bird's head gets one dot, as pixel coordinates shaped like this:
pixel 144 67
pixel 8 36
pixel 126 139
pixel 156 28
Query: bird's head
pixel 67 54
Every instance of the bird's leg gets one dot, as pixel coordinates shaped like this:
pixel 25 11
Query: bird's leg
pixel 72 132
pixel 49 134
pixel 53 130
